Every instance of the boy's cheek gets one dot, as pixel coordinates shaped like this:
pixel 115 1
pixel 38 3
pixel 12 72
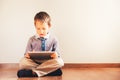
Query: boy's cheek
pixel 38 32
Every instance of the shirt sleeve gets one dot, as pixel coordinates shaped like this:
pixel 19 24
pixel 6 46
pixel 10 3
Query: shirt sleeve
pixel 56 47
pixel 29 46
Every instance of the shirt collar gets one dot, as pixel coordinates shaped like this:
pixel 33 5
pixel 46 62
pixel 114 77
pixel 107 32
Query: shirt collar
pixel 37 36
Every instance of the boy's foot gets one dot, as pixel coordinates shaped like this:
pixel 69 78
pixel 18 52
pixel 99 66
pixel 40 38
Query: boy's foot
pixel 58 72
pixel 26 73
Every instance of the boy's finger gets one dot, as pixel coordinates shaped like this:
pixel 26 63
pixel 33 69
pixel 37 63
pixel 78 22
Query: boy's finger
pixel 54 55
pixel 27 55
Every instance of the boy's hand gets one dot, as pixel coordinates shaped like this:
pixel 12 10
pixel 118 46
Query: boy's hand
pixel 53 56
pixel 27 55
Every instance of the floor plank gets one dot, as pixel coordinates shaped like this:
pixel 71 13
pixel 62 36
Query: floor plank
pixel 69 74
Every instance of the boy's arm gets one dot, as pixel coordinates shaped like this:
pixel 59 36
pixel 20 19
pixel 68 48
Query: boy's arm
pixel 28 48
pixel 55 48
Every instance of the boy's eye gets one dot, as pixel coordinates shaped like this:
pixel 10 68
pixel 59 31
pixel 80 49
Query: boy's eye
pixel 43 28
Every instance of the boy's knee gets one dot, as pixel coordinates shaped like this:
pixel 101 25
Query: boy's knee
pixel 27 64
pixel 60 62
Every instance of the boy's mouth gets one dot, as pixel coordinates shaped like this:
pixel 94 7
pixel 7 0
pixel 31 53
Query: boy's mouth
pixel 41 35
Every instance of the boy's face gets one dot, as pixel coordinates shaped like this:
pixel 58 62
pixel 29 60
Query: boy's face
pixel 42 28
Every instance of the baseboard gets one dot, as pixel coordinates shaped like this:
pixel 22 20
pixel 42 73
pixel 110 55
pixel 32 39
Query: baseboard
pixel 92 65
pixel 68 65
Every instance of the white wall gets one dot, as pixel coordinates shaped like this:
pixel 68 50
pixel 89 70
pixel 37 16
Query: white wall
pixel 88 30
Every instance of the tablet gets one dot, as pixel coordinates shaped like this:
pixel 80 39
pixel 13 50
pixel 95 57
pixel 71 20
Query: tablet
pixel 42 55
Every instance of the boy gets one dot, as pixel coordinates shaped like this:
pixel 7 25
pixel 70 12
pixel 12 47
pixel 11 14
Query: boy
pixel 42 41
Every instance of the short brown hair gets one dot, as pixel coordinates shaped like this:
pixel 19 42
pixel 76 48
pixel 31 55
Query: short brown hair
pixel 43 16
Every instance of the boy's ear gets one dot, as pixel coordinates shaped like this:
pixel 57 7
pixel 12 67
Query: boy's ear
pixel 49 26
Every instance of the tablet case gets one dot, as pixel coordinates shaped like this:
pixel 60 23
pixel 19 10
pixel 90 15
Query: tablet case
pixel 40 55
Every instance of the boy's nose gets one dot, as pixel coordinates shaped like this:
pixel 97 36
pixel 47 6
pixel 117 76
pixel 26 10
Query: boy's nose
pixel 41 31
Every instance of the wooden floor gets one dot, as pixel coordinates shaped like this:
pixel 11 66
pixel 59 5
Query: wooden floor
pixel 69 74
